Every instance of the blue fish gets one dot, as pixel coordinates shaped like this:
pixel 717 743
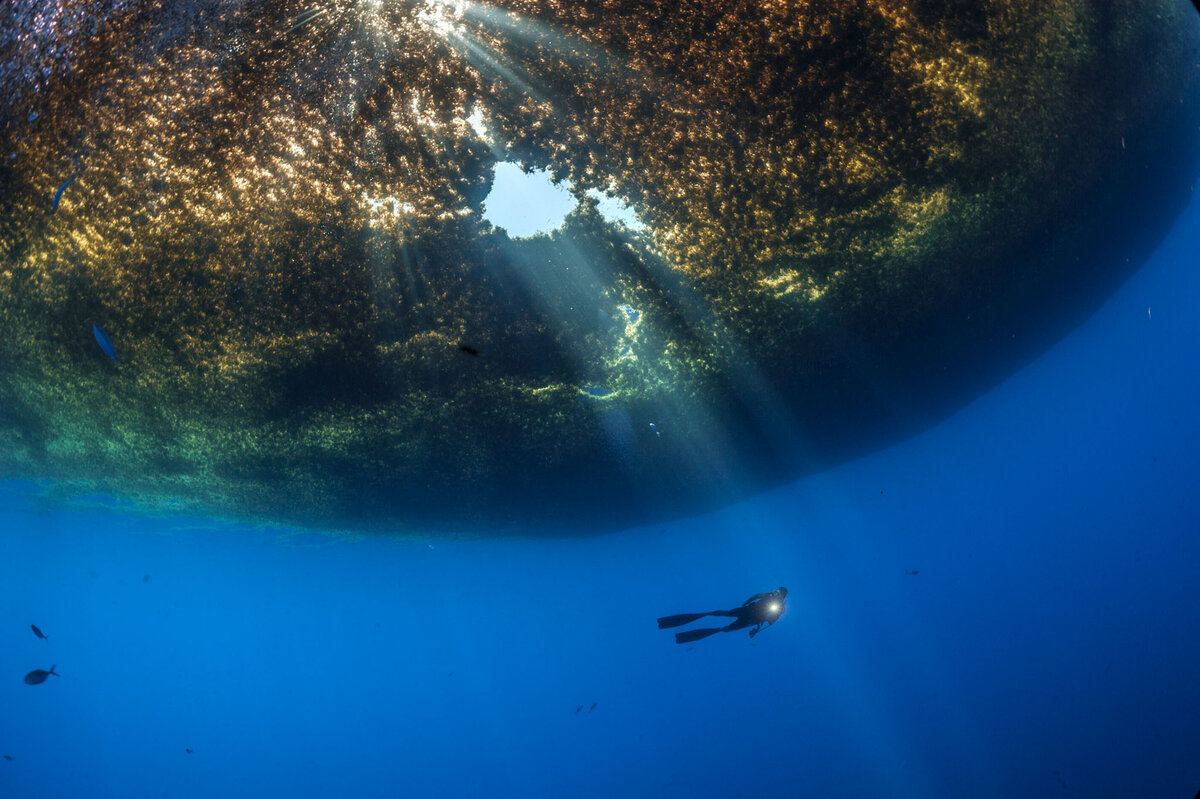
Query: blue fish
pixel 654 427
pixel 105 342
pixel 61 189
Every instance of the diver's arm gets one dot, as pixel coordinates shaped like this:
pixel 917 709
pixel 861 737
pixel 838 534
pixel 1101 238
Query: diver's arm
pixel 755 598
pixel 758 628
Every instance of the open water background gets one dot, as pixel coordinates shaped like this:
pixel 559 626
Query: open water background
pixel 1006 605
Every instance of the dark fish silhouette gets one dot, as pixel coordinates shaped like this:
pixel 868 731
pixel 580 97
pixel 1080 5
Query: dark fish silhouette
pixel 579 708
pixel 38 676
pixel 593 707
pixel 469 350
pixel 105 342
pixel 38 632
pixel 8 757
pixel 58 194
pixel 189 751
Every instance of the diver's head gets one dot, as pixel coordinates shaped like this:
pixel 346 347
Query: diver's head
pixel 776 604
pixel 775 608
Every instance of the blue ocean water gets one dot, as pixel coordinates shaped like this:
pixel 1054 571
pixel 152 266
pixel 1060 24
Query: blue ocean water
pixel 1003 606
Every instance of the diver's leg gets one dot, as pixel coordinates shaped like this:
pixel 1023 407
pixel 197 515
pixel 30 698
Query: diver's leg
pixel 744 619
pixel 687 618
pixel 679 620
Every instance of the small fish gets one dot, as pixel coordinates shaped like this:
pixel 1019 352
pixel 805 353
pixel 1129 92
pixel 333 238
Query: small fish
pixel 38 632
pixel 59 193
pixel 145 578
pixel 579 708
pixel 593 707
pixel 8 757
pixel 654 427
pixel 1148 316
pixel 189 751
pixel 912 571
pixel 469 350
pixel 105 342
pixel 38 676
pixel 306 18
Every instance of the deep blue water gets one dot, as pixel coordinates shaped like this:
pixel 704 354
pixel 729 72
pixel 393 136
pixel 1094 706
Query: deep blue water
pixel 1003 606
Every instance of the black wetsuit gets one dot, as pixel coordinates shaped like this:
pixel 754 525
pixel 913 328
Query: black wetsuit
pixel 756 611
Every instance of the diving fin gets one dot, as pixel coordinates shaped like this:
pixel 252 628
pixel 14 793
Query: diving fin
pixel 680 620
pixel 687 636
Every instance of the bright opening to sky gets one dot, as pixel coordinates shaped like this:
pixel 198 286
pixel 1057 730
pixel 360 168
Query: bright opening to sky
pixel 528 203
pixel 615 209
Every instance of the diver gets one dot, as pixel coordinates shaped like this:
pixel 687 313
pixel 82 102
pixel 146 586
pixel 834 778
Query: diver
pixel 756 611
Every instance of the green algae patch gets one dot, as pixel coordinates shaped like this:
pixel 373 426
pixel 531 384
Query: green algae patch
pixel 854 217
